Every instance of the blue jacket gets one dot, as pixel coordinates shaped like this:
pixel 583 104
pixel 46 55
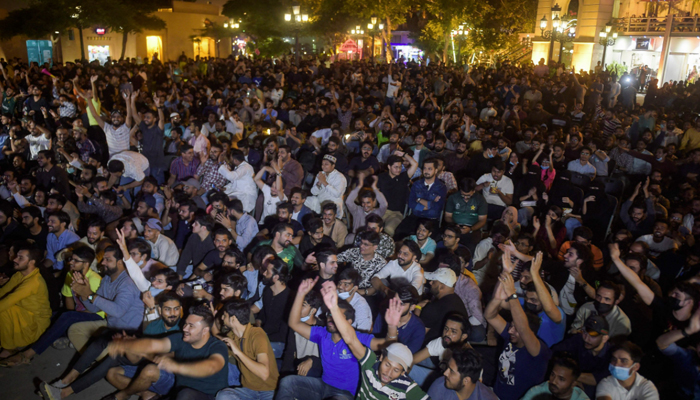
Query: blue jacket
pixel 419 190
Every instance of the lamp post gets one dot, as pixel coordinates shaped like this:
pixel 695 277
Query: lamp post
pixel 233 26
pixel 373 28
pixel 358 32
pixel 557 33
pixel 459 33
pixel 606 39
pixel 296 18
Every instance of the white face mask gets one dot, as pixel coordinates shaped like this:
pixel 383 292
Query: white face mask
pixel 140 263
pixel 344 295
pixel 304 319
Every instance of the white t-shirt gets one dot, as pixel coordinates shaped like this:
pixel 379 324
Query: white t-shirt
pixel 270 203
pixel 642 389
pixel 393 271
pixel 391 90
pixel 435 348
pixel 323 134
pixel 37 144
pixel 657 248
pixel 505 185
pixel 363 314
pixel 135 164
pixel 117 139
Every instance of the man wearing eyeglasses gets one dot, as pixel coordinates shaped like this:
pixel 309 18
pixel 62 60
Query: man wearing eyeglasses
pixel 582 165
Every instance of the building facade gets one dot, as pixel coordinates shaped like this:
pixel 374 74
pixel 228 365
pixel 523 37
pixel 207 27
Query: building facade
pixel 663 36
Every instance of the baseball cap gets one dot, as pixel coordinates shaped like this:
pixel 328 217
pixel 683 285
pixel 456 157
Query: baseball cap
pixel 445 276
pixel 330 158
pixel 596 325
pixel 192 182
pixel 173 115
pixel 399 353
pixel 154 224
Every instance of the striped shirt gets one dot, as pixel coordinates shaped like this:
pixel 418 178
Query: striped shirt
pixel 117 138
pixel 371 387
pixel 180 170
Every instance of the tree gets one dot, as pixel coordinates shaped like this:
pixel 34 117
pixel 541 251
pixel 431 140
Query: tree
pixel 259 18
pixel 132 16
pixel 43 17
pixel 272 47
pixel 214 31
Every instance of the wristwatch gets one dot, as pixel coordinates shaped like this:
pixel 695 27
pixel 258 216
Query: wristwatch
pixel 91 298
pixel 513 296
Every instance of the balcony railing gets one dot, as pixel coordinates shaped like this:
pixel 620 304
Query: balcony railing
pixel 650 25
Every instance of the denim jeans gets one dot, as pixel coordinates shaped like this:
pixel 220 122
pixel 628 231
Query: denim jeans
pixel 234 375
pixel 307 388
pixel 242 393
pixel 60 328
pixel 192 394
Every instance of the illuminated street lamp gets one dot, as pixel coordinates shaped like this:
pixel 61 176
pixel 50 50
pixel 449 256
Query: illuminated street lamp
pixel 607 39
pixel 296 18
pixel 557 33
pixel 374 28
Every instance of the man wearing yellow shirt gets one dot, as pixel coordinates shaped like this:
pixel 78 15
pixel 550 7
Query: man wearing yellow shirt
pixel 79 271
pixel 25 312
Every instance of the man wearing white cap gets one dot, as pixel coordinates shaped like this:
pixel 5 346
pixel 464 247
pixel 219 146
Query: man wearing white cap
pixel 329 185
pixel 386 378
pixel 164 249
pixel 444 302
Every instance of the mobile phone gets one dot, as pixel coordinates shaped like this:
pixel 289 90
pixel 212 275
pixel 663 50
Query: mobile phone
pixel 197 287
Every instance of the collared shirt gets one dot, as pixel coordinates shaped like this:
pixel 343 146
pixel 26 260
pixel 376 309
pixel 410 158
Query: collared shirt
pixel 586 169
pixel 642 389
pixel 135 164
pixel 180 170
pixel 241 184
pixel 367 269
pixel 449 180
pixel 386 245
pixel 470 293
pixel 372 387
pixel 86 148
pixel 56 244
pixel 420 190
pixel 617 319
pixel 199 144
pixel 120 300
pixel 253 342
pixel 393 271
pixel 211 178
pixel 333 191
pixel 164 250
pixel 246 229
pixel 117 138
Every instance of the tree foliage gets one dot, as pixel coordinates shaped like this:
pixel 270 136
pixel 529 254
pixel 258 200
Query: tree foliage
pixel 132 16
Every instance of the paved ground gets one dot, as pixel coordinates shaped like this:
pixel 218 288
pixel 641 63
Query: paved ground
pixel 22 383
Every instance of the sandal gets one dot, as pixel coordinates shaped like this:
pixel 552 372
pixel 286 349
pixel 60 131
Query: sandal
pixel 17 359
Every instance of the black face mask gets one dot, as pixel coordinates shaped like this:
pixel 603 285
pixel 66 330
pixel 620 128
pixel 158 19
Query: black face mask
pixel 602 308
pixel 532 308
pixel 674 303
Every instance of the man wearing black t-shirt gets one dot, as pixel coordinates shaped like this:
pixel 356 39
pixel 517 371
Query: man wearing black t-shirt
pixel 394 186
pixel 444 302
pixel 33 221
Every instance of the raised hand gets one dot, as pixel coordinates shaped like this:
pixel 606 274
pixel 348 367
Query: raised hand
pixel 536 223
pixel 148 299
pixel 306 286
pixel 614 250
pixel 311 258
pixel 121 241
pixel 507 263
pixel 330 294
pixel 507 283
pixel 536 264
pixel 393 313
pixel 93 78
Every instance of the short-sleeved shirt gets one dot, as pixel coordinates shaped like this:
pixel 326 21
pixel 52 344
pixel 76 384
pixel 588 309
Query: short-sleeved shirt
pixel 254 342
pixel 340 367
pixel 395 190
pixel 466 213
pixel 117 138
pixel 550 332
pixel 372 388
pixel 505 185
pixel 411 334
pixel 518 371
pixel 642 389
pixel 94 280
pixel 185 352
pixel 435 312
pixel 438 391
pixel 288 255
pixel 357 164
pixel 212 259
pixel 428 247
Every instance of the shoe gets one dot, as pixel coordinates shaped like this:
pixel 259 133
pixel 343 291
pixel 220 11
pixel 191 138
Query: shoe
pixel 49 392
pixel 59 384
pixel 17 359
pixel 61 343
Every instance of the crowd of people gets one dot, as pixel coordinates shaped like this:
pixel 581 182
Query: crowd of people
pixel 255 229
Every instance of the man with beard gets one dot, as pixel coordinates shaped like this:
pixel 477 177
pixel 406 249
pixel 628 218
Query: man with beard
pixel 50 175
pixel 405 268
pixel 297 198
pixel 24 301
pixel 390 148
pixel 281 242
pixel 198 245
pixel 367 164
pixel 120 299
pixel 315 239
pixel 198 365
pixel 523 361
pixel 86 177
pixel 125 367
pixel 292 172
pixel 659 242
pixel 275 275
pixel 118 132
pixel 372 201
pixel 608 296
pixel 562 382
pixel 10 229
pixel 209 170
pixel 58 239
pixel 638 217
pixel 284 215
pixel 327 263
pixel 456 162
pixel 163 248
pixel 462 378
pixel 340 367
pixel 103 205
pixel 80 269
pixel 426 200
pixel 222 242
pixel 128 170
pixel 592 350
pixel 439 146
pixel 411 330
pixel 455 334
pixel 396 183
pixel 95 240
pixel 444 302
pixel 184 166
pixel 242 226
pixel 34 222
